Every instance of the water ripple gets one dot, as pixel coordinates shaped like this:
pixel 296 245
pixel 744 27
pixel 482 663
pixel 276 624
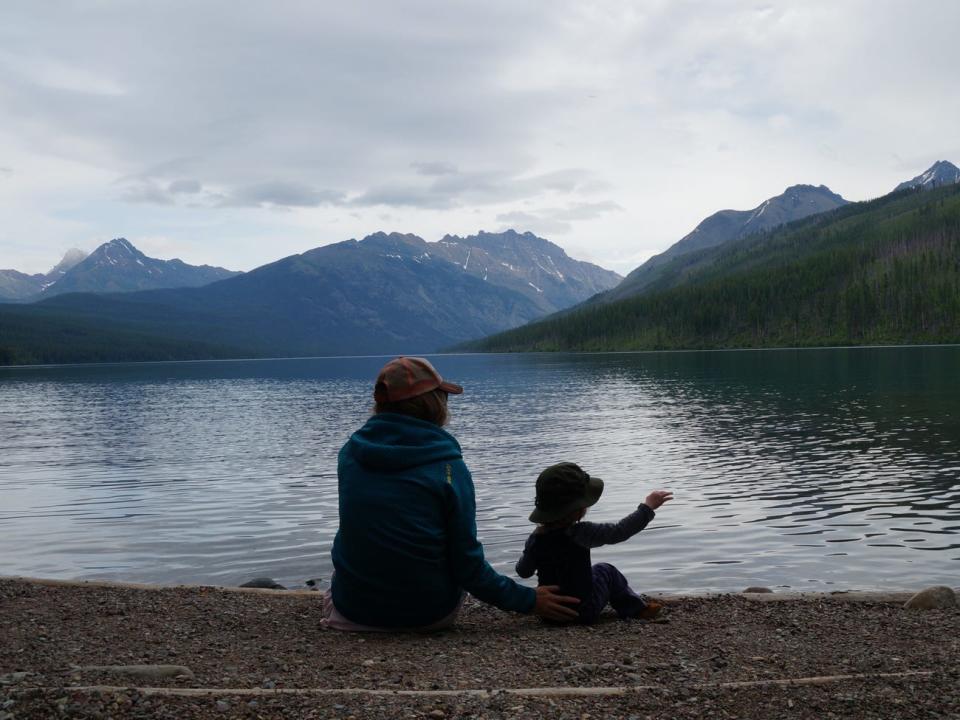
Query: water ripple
pixel 833 468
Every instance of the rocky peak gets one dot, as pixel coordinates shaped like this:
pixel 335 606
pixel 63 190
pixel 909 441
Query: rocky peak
pixel 940 173
pixel 71 259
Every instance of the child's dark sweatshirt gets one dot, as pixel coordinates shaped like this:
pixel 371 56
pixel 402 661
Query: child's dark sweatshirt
pixel 562 556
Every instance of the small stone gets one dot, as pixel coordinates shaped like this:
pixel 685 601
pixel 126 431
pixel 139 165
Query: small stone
pixel 368 663
pixel 758 589
pixel 438 713
pixel 223 705
pixel 933 598
pixel 269 684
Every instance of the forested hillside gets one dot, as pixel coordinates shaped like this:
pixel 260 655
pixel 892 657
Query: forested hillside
pixel 885 271
pixel 35 334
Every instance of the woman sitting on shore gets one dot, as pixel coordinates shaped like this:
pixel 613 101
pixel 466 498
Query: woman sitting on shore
pixel 406 550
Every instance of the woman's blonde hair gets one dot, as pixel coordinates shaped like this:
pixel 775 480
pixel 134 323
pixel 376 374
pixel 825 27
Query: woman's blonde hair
pixel 430 406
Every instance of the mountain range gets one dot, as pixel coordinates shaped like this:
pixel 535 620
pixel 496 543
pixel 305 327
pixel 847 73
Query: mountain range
pixel 115 266
pixel 397 293
pixel 383 294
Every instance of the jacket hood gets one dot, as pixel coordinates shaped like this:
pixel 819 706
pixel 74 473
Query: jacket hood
pixel 396 442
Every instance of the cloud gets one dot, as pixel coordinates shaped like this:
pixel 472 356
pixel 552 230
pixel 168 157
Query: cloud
pixel 434 168
pixel 587 210
pixel 188 187
pixel 537 224
pixel 477 113
pixel 146 191
pixel 265 194
pixel 280 193
pixel 556 220
pixel 403 195
pixel 457 189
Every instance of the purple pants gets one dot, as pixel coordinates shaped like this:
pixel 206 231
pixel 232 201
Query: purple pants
pixel 610 586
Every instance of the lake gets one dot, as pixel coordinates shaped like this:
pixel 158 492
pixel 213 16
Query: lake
pixel 802 469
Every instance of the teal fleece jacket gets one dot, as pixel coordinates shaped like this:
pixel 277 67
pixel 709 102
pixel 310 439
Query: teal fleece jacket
pixel 407 544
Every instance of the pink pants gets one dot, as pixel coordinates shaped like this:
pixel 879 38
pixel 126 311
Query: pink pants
pixel 333 619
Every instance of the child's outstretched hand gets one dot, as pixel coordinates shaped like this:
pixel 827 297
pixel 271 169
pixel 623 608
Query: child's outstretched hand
pixel 658 498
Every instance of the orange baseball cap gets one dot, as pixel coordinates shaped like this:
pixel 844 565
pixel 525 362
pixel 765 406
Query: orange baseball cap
pixel 405 377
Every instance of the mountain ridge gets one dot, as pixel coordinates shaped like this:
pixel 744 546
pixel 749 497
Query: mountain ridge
pixel 942 172
pixel 794 203
pixel 114 266
pixel 386 293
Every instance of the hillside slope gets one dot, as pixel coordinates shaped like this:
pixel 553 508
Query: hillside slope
pixel 794 203
pixel 885 271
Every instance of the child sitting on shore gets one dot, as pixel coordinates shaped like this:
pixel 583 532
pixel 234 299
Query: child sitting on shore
pixel 559 549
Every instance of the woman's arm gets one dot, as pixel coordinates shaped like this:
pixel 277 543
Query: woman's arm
pixel 474 573
pixel 470 568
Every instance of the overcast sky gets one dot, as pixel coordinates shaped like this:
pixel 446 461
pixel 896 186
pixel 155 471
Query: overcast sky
pixel 236 133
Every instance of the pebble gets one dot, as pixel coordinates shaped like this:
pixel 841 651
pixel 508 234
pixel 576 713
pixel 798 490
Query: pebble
pixel 223 705
pixel 757 589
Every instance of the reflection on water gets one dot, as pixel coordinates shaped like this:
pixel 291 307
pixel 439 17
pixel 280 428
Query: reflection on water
pixel 809 469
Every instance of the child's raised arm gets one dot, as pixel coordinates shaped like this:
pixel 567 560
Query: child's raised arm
pixel 591 535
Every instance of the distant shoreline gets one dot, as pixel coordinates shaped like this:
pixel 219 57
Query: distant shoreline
pixel 868 596
pixel 120 363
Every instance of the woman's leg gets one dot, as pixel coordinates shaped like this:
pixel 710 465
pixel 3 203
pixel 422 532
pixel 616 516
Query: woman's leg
pixel 333 619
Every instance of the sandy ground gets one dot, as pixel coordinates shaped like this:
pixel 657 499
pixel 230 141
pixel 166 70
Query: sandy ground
pixel 252 648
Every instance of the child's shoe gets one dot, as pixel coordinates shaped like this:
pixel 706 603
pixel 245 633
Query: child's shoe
pixel 654 612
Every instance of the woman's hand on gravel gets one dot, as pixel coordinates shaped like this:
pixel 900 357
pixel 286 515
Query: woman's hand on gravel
pixel 658 498
pixel 552 606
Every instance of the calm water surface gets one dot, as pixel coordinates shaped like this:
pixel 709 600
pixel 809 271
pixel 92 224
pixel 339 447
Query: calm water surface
pixel 817 469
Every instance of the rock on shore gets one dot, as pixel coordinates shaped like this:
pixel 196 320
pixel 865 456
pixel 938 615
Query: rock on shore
pixel 938 597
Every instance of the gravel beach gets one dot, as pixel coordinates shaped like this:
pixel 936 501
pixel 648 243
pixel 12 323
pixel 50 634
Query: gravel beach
pixel 264 654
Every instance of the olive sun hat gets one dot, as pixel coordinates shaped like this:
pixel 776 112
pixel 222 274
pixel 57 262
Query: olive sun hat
pixel 563 489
